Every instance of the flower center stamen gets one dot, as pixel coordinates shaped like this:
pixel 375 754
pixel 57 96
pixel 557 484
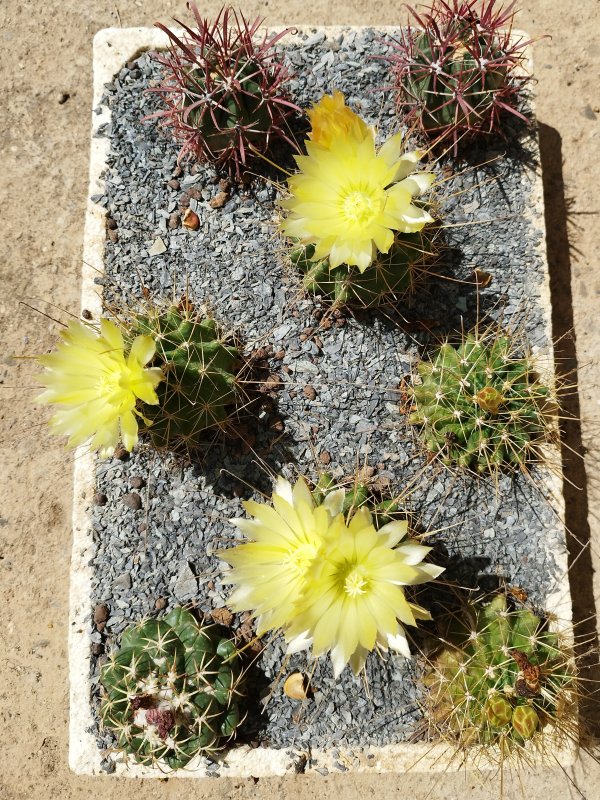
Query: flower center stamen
pixel 355 584
pixel 359 208
pixel 300 559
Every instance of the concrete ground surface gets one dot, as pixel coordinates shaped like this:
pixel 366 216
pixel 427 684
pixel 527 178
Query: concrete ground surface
pixel 45 70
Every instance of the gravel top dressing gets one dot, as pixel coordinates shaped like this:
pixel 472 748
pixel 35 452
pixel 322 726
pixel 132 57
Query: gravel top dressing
pixel 159 524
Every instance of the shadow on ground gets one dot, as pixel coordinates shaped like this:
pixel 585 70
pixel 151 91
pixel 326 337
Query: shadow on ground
pixel 575 482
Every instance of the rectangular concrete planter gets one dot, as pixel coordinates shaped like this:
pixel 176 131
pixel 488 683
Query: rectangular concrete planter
pixel 112 49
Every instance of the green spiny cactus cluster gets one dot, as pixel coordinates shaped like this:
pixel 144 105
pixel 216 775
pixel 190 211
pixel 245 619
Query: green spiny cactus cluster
pixel 200 390
pixel 172 690
pixel 357 495
pixel 501 676
pixel 481 405
pixel 390 277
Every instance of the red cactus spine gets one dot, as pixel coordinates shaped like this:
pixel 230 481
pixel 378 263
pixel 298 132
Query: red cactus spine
pixel 224 90
pixel 456 72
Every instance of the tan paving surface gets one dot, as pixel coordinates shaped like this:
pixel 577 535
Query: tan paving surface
pixel 45 51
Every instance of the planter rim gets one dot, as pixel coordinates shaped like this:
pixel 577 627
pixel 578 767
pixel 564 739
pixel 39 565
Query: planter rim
pixel 112 48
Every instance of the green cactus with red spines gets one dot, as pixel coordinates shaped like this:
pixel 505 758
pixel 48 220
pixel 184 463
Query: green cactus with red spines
pixel 455 72
pixel 224 90
pixel 173 690
pixel 500 677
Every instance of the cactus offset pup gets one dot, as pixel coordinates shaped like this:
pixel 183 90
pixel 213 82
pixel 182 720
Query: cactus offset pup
pixel 224 90
pixel 455 73
pixel 172 690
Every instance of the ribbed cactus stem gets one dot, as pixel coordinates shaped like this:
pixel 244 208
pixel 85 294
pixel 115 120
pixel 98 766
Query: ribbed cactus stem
pixel 500 676
pixel 392 276
pixel 481 405
pixel 172 690
pixel 200 392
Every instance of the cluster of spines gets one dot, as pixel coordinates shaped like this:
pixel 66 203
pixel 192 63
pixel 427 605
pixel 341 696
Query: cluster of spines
pixel 224 90
pixel 392 276
pixel 455 73
pixel 482 405
pixel 500 677
pixel 172 690
pixel 200 392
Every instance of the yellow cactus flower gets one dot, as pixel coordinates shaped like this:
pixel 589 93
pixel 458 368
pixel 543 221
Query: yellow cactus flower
pixel 98 385
pixel 326 581
pixel 353 599
pixel 331 119
pixel 270 570
pixel 349 198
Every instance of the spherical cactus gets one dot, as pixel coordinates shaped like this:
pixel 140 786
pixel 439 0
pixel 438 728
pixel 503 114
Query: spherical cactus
pixel 200 391
pixel 390 277
pixel 482 405
pixel 455 73
pixel 224 91
pixel 500 676
pixel 173 690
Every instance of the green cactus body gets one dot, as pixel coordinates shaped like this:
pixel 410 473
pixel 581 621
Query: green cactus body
pixel 246 108
pixel 200 390
pixel 391 276
pixel 501 675
pixel 172 690
pixel 436 92
pixel 480 406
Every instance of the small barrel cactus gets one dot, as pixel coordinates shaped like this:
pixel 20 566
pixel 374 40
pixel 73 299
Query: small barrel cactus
pixel 390 277
pixel 455 73
pixel 172 690
pixel 199 391
pixel 500 677
pixel 224 91
pixel 482 405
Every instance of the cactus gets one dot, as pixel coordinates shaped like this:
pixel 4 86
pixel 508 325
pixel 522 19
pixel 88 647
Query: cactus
pixel 200 390
pixel 391 276
pixel 456 72
pixel 501 676
pixel 224 91
pixel 357 495
pixel 172 690
pixel 482 405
